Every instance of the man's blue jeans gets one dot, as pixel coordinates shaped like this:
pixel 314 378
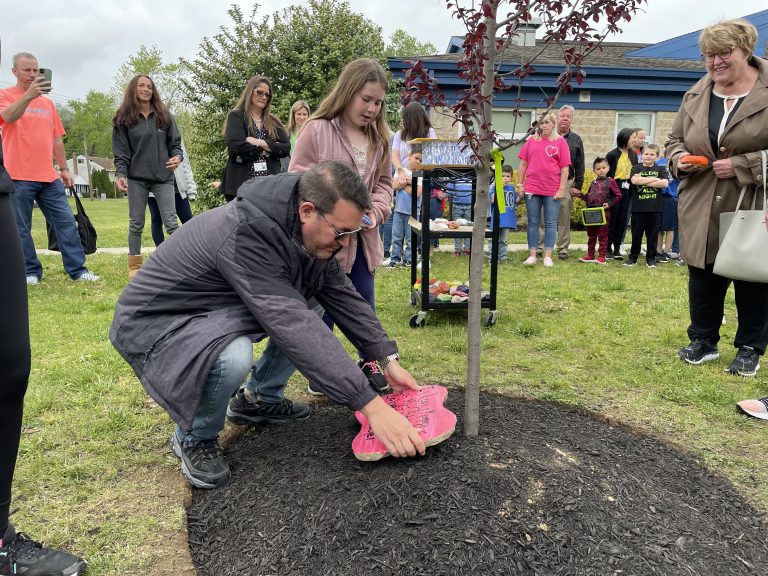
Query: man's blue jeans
pixel 400 231
pixel 227 374
pixel 273 369
pixel 533 206
pixel 53 203
pixel 461 211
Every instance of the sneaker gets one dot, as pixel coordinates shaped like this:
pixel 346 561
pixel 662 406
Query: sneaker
pixel 631 261
pixel 588 258
pixel 651 263
pixel 243 411
pixel 87 277
pixel 680 262
pixel 312 391
pixel 563 256
pixel 530 261
pixel 618 255
pixel 746 363
pixel 673 255
pixel 757 408
pixel 609 254
pixel 548 262
pixel 19 554
pixel 33 280
pixel 386 261
pixel 467 252
pixel 663 258
pixel 393 263
pixel 202 464
pixel 698 352
pixel 375 376
pixel 601 260
pixel 456 253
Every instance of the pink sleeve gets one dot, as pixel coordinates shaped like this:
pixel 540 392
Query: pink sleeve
pixel 565 153
pixel 304 154
pixel 524 152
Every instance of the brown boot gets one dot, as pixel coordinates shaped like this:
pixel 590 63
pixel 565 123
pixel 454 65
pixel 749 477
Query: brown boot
pixel 134 263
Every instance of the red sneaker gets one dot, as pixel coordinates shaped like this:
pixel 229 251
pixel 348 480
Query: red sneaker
pixel 588 258
pixel 600 260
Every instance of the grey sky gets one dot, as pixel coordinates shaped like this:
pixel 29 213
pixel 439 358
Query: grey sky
pixel 84 42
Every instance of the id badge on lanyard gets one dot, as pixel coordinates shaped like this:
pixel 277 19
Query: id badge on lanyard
pixel 259 167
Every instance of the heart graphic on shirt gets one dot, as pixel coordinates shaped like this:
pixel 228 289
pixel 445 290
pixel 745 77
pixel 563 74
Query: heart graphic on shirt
pixel 551 151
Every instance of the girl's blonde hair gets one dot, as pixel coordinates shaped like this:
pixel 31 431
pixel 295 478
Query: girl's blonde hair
pixel 298 105
pixel 727 34
pixel 353 77
pixel 245 105
pixel 552 117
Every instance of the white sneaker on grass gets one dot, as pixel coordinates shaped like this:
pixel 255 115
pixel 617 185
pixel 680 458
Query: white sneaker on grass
pixel 87 277
pixel 32 280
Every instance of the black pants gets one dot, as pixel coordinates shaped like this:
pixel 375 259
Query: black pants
pixel 647 223
pixel 183 211
pixel 14 351
pixel 706 299
pixel 619 218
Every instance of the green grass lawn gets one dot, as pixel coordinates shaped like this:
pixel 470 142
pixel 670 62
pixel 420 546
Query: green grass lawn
pixel 95 475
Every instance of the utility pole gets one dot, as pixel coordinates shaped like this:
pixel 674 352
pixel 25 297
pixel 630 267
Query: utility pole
pixel 88 167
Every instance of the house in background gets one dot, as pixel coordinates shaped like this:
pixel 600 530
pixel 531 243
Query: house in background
pixel 626 85
pixel 78 167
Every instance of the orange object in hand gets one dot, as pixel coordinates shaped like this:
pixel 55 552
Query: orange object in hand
pixel 695 160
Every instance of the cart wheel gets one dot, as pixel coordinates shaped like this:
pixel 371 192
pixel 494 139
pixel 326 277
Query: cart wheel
pixel 490 319
pixel 416 322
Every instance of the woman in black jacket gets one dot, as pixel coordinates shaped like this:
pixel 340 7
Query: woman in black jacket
pixel 147 148
pixel 256 139
pixel 620 162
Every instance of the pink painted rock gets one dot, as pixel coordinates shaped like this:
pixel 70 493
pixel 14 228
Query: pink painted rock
pixel 424 410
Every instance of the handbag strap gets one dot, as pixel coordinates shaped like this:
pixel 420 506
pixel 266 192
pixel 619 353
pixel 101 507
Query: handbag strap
pixel 764 157
pixel 78 202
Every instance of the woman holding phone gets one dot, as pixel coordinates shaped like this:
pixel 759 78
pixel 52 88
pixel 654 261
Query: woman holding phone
pixel 147 148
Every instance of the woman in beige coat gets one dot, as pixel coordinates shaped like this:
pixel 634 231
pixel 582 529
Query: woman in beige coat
pixel 725 118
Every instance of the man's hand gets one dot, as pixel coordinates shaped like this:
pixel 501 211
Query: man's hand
pixel 723 168
pixel 66 177
pixel 122 183
pixel 399 378
pixel 38 87
pixel 393 429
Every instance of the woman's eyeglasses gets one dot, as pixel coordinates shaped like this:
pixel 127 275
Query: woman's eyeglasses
pixel 261 93
pixel 339 235
pixel 710 56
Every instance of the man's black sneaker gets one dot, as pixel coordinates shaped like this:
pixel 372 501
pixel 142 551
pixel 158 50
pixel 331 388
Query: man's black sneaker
pixel 618 255
pixel 374 374
pixel 202 464
pixel 746 363
pixel 631 261
pixel 609 254
pixel 242 411
pixel 651 263
pixel 698 352
pixel 662 258
pixel 19 554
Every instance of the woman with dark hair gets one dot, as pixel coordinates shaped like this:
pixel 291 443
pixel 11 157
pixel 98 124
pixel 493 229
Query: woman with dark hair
pixel 722 117
pixel 147 148
pixel 620 162
pixel 415 125
pixel 256 139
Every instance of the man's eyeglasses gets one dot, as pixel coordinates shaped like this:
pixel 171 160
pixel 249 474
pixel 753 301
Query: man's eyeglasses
pixel 710 56
pixel 339 235
pixel 261 93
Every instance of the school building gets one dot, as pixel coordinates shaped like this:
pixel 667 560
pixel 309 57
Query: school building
pixel 626 85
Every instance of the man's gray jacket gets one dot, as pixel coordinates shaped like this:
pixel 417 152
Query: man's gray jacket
pixel 238 270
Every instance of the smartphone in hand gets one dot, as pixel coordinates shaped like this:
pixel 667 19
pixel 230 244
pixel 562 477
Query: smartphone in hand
pixel 47 74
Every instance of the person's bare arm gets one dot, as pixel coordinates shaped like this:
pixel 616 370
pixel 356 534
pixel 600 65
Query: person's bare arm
pixel 61 159
pixel 16 110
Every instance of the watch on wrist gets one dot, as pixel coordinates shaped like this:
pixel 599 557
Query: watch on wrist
pixel 384 363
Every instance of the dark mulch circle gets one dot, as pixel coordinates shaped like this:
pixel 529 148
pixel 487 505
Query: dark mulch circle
pixel 544 490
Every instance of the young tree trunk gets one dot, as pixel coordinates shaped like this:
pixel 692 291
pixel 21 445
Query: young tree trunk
pixel 474 331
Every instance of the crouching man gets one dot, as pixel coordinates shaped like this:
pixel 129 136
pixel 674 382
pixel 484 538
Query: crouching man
pixel 239 273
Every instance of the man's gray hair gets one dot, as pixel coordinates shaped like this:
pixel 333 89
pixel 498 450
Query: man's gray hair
pixel 567 107
pixel 328 182
pixel 22 55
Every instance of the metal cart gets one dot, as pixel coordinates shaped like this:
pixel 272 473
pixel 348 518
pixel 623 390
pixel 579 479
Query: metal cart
pixel 420 232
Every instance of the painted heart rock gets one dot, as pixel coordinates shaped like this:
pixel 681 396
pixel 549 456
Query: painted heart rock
pixel 424 410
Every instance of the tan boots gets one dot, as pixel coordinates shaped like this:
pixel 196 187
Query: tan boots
pixel 134 263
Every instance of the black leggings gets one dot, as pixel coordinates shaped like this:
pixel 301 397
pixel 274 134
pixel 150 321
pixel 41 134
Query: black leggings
pixel 15 355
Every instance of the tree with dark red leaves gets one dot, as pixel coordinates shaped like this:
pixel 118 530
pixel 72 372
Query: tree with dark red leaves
pixel 579 27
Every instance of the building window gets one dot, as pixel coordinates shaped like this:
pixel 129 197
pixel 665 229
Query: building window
pixel 644 120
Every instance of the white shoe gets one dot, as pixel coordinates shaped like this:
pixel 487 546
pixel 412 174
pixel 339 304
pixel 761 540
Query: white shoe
pixel 530 261
pixel 548 262
pixel 386 261
pixel 87 277
pixel 32 280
